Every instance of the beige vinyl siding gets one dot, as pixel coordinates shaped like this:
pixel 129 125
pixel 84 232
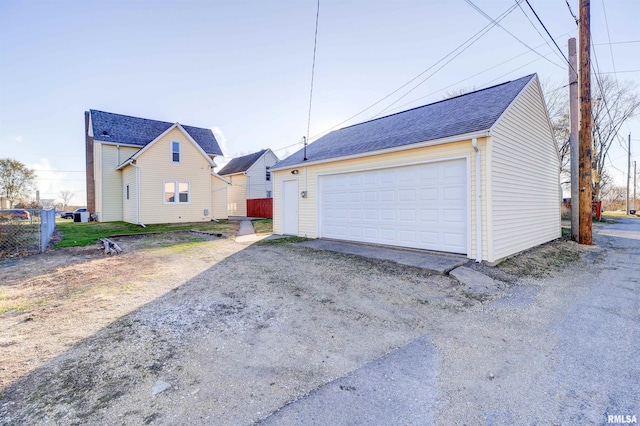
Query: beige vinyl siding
pixel 97 177
pixel 237 195
pixel 308 180
pixel 524 178
pixel 129 206
pixel 109 182
pixel 157 167
pixel 257 173
pixel 219 198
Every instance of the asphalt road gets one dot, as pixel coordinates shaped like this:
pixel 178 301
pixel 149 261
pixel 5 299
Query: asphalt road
pixel 564 350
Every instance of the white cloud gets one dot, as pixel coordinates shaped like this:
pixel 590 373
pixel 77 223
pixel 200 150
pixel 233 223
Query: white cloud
pixel 222 140
pixel 50 182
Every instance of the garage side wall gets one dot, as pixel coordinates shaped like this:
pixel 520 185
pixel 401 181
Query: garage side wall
pixel 219 198
pixel 308 178
pixel 237 195
pixel 524 178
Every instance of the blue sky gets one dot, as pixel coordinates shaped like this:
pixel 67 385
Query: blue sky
pixel 242 68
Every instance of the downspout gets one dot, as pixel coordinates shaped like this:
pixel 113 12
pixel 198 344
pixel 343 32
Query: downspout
pixel 474 144
pixel 137 190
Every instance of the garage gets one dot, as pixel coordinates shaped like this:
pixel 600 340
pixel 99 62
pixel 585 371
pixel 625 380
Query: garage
pixel 421 206
pixel 475 174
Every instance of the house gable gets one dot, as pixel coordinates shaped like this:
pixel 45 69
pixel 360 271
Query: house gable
pixel 523 179
pixel 156 167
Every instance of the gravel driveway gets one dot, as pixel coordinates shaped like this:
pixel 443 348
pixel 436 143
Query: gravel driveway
pixel 272 325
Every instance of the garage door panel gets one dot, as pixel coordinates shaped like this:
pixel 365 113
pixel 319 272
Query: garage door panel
pixel 422 206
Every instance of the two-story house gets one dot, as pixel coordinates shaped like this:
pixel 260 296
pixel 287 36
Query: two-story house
pixel 148 171
pixel 250 178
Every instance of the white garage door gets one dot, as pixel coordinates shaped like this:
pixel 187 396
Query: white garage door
pixel 420 206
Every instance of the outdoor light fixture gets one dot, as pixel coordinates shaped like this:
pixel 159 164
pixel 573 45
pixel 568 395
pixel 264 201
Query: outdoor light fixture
pixel 294 172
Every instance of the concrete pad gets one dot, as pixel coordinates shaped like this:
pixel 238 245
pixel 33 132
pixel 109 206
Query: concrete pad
pixel 397 389
pixel 474 281
pixel 439 263
pixel 246 228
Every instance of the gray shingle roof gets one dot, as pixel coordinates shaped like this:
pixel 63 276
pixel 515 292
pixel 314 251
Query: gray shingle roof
pixel 471 112
pixel 241 164
pixel 110 127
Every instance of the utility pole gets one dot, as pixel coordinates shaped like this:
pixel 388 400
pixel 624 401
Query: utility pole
pixel 628 173
pixel 635 175
pixel 584 165
pixel 584 161
pixel 574 119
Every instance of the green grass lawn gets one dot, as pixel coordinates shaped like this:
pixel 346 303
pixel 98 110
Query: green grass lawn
pixel 263 226
pixel 83 234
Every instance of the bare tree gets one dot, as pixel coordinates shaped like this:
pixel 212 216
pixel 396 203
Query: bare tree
pixel 66 198
pixel 16 180
pixel 613 104
pixel 458 91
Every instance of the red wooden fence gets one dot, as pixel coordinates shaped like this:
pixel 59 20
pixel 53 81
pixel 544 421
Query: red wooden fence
pixel 260 207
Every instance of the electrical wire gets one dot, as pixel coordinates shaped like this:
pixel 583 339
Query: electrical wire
pixel 575 18
pixel 536 28
pixel 479 73
pixel 509 32
pixel 313 66
pixel 613 62
pixel 549 34
pixel 480 33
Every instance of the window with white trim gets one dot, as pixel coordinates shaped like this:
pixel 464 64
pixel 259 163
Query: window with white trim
pixel 269 194
pixel 175 151
pixel 268 174
pixel 181 189
pixel 127 192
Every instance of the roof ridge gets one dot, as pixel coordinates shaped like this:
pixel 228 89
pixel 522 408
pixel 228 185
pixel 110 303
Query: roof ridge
pixel 147 119
pixel 435 103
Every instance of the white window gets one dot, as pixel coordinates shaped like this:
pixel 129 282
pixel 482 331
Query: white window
pixel 268 175
pixel 175 151
pixel 269 194
pixel 127 192
pixel 179 188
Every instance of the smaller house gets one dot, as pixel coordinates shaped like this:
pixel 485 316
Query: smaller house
pixel 250 178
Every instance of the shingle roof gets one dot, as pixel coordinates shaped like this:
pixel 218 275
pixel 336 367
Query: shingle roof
pixel 241 164
pixel 110 127
pixel 471 112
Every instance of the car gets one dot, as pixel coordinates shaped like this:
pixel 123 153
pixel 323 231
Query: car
pixel 15 214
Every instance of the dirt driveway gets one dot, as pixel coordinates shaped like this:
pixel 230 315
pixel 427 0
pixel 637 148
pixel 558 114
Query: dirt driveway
pixel 232 332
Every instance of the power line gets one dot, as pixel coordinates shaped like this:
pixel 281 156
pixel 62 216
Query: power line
pixel 575 18
pixel 619 42
pixel 613 62
pixel 536 28
pixel 509 32
pixel 481 33
pixel 618 72
pixel 481 72
pixel 313 66
pixel 485 30
pixel 549 34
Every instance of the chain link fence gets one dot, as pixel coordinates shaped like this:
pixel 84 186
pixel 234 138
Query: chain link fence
pixel 25 231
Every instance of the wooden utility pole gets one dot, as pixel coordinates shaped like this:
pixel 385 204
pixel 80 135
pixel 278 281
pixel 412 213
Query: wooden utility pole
pixel 635 175
pixel 584 165
pixel 574 120
pixel 628 174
